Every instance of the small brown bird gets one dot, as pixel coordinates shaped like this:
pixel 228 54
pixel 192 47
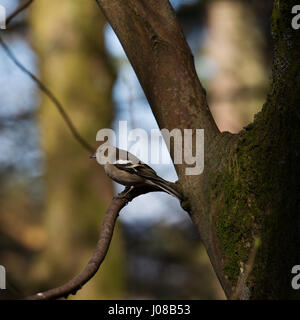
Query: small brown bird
pixel 126 169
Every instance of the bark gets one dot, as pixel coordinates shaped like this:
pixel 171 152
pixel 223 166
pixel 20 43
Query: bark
pixel 249 187
pixel 68 36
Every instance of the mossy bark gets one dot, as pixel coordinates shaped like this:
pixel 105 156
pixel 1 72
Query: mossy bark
pixel 258 188
pixel 248 195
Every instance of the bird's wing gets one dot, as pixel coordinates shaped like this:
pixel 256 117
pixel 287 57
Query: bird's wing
pixel 140 168
pixel 143 170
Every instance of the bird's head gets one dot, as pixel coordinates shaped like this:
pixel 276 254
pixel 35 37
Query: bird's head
pixel 100 150
pixel 103 152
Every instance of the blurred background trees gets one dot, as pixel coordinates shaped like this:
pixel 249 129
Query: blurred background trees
pixel 53 196
pixel 68 37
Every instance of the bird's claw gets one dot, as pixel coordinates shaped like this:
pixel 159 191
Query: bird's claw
pixel 123 195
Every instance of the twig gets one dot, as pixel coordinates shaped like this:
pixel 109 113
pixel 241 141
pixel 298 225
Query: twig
pixel 42 87
pixel 50 95
pixel 106 233
pixel 18 10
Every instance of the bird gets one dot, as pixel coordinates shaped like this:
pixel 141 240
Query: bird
pixel 126 169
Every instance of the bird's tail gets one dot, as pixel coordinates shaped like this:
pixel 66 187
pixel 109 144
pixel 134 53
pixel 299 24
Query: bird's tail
pixel 163 185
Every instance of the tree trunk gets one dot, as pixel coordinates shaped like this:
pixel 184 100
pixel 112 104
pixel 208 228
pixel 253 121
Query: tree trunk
pixel 249 190
pixel 68 36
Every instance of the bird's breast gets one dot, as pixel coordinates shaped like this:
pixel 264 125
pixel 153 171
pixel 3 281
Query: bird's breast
pixel 122 177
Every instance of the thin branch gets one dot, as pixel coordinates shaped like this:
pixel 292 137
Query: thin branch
pixel 174 97
pixel 18 10
pixel 51 96
pixel 106 233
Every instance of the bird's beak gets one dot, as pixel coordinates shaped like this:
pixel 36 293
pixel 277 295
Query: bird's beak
pixel 93 156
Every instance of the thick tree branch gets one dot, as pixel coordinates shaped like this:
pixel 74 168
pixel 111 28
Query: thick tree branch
pixel 156 47
pixel 106 233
